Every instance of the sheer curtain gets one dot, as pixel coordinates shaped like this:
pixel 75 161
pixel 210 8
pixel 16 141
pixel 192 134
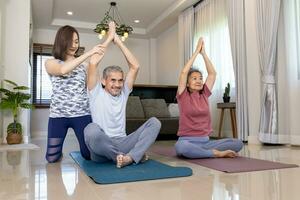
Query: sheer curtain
pixel 291 91
pixel 186 34
pixel 267 29
pixel 236 23
pixel 211 23
pixel 292 32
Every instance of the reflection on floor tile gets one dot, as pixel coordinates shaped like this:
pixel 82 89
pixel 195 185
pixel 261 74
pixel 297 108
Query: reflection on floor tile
pixel 24 174
pixel 15 147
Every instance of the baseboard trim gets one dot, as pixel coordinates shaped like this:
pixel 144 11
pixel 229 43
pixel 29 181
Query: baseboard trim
pixel 253 139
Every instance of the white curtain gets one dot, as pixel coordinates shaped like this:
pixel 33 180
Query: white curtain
pixel 292 33
pixel 186 34
pixel 236 23
pixel 267 28
pixel 211 23
pixel 291 78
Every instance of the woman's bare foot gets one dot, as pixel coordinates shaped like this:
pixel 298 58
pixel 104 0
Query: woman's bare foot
pixel 123 160
pixel 224 154
pixel 144 158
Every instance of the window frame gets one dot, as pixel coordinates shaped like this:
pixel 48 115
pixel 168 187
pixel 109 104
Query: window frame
pixel 37 102
pixel 43 50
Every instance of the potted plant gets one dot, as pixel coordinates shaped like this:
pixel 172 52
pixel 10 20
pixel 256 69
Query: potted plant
pixel 13 100
pixel 226 95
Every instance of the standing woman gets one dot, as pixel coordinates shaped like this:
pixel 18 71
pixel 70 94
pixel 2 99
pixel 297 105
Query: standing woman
pixel 69 106
pixel 195 120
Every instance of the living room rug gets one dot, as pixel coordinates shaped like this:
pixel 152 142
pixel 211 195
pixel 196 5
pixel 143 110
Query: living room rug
pixel 108 173
pixel 228 165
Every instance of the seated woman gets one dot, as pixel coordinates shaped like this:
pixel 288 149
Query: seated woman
pixel 195 121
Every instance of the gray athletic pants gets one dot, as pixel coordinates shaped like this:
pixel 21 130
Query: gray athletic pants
pixel 201 147
pixel 104 148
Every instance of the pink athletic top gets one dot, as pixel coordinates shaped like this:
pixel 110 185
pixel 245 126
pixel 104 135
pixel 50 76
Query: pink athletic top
pixel 194 113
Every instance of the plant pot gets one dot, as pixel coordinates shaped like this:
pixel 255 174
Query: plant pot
pixel 226 99
pixel 14 138
pixel 13 157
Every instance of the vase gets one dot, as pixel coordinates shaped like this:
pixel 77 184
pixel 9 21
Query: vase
pixel 226 99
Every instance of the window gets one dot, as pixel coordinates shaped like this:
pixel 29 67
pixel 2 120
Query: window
pixel 42 87
pixel 211 23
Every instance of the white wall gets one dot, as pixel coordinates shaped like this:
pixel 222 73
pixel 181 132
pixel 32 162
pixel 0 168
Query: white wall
pixel 15 49
pixel 168 66
pixel 139 47
pixel 1 59
pixel 1 37
pixel 153 61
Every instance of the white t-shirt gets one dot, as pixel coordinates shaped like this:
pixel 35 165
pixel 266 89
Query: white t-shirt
pixel 108 111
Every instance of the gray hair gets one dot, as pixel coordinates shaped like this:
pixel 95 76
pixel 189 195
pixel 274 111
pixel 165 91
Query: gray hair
pixel 192 70
pixel 110 69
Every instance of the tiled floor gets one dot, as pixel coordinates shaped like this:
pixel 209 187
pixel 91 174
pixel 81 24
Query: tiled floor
pixel 26 175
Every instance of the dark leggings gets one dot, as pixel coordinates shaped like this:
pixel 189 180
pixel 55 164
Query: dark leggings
pixel 57 131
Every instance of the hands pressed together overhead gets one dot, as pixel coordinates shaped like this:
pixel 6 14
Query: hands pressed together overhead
pixel 200 46
pixel 112 33
pixel 99 50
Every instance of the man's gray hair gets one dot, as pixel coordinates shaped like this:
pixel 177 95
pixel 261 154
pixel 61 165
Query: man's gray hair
pixel 110 69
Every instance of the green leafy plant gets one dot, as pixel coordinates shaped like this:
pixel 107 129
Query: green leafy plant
pixel 14 99
pixel 120 28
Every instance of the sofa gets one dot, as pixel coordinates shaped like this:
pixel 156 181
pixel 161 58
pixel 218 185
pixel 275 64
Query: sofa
pixel 139 111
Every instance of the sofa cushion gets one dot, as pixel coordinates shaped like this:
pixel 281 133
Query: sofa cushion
pixel 173 109
pixel 155 108
pixel 134 108
pixel 169 125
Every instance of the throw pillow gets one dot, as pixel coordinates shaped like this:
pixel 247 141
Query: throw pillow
pixel 173 110
pixel 134 108
pixel 155 108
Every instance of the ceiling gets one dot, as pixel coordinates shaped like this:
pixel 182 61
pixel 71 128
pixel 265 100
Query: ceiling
pixel 155 15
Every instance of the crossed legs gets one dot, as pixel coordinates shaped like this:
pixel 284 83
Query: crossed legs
pixel 125 150
pixel 202 147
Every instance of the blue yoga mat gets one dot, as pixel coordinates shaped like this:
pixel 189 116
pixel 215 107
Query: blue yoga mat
pixel 107 173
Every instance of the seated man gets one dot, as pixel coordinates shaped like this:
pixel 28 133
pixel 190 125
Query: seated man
pixel 106 137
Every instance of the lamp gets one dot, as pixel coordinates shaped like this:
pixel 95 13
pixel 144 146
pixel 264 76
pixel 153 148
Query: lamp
pixel 121 29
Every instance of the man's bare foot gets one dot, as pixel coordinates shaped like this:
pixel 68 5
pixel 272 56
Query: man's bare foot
pixel 144 158
pixel 224 154
pixel 123 160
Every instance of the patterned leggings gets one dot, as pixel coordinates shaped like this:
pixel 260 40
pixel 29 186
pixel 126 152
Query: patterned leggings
pixel 57 131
